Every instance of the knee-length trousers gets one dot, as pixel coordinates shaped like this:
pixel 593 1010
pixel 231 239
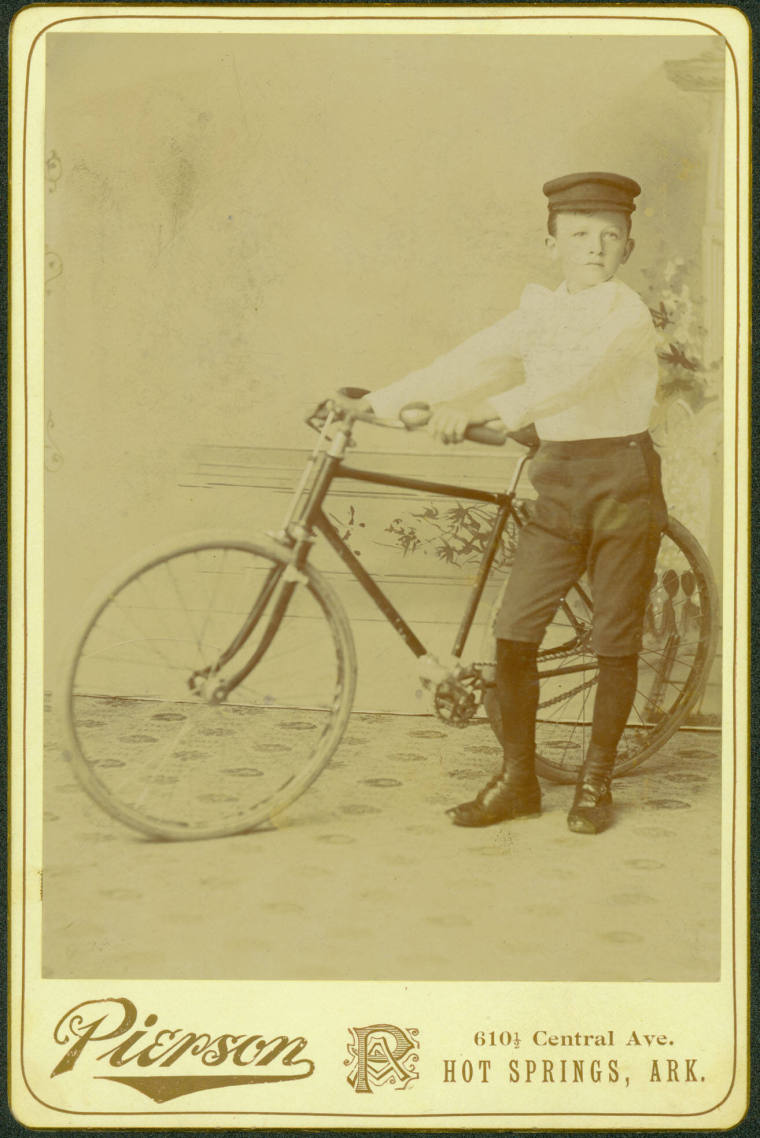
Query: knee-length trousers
pixel 599 510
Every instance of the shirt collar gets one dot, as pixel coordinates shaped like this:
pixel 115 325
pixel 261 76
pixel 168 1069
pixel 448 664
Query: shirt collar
pixel 600 293
pixel 578 309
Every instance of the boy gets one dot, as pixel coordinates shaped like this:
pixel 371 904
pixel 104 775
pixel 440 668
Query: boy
pixel 587 356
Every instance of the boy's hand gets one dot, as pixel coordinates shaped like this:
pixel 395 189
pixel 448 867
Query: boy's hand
pixel 449 421
pixel 349 399
pixel 350 402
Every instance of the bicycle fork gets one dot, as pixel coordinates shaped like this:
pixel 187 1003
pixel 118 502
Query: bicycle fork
pixel 209 682
pixel 282 579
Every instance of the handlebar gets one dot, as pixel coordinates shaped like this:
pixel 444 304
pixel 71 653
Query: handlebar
pixel 415 416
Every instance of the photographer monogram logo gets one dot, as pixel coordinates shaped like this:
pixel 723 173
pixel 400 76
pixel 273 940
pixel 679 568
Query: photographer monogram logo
pixel 382 1054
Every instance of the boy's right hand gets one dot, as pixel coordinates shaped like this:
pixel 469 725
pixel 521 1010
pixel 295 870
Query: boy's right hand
pixel 347 399
pixel 352 399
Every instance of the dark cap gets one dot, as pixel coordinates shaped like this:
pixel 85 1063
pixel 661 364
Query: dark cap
pixel 591 191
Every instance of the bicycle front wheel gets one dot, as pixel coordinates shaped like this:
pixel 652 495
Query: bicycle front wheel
pixel 147 739
pixel 680 632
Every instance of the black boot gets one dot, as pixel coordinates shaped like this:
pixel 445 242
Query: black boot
pixel 591 811
pixel 513 792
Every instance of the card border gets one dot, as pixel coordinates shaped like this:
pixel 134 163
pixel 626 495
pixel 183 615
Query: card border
pixel 296 13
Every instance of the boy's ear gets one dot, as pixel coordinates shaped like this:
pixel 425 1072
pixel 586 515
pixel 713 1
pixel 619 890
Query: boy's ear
pixel 551 244
pixel 630 245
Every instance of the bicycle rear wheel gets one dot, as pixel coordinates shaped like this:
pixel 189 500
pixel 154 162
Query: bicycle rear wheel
pixel 145 737
pixel 674 663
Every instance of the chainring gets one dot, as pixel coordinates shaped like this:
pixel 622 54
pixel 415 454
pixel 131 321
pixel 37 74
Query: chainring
pixel 458 697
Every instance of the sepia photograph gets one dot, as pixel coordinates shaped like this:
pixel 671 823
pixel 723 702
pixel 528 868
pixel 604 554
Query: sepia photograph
pixel 387 533
pixel 238 230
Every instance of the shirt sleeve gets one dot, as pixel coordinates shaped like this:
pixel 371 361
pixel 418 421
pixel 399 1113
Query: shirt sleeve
pixel 564 373
pixel 483 358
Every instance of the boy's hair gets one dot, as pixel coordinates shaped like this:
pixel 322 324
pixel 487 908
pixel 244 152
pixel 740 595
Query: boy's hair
pixel 551 221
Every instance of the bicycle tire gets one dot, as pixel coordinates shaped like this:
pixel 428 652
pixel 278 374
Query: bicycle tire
pixel 162 758
pixel 663 701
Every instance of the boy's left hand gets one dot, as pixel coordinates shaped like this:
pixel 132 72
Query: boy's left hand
pixel 450 421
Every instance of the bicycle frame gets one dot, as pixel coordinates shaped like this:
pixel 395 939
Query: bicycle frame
pixel 306 517
pixel 504 504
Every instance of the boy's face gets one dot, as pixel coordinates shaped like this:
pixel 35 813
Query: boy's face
pixel 590 246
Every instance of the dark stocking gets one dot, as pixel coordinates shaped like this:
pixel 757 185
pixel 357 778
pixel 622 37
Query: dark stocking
pixel 517 693
pixel 614 699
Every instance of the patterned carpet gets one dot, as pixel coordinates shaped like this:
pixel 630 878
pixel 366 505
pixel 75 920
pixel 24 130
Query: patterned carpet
pixel 364 877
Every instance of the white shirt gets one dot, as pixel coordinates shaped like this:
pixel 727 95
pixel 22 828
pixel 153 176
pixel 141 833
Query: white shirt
pixel 589 362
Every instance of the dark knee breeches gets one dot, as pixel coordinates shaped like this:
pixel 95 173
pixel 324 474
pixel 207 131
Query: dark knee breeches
pixel 599 511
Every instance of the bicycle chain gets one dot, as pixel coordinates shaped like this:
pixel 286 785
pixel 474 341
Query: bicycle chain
pixel 565 695
pixel 550 653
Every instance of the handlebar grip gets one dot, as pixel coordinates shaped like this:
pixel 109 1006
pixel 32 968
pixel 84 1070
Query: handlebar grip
pixel 491 436
pixel 353 392
pixel 526 437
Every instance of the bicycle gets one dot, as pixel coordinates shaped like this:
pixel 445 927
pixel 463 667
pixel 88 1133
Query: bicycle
pixel 214 679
